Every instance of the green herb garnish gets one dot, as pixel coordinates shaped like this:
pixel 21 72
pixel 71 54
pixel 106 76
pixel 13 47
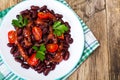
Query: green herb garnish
pixel 59 28
pixel 20 22
pixel 40 52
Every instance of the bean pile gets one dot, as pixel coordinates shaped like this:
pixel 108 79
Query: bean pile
pixel 25 39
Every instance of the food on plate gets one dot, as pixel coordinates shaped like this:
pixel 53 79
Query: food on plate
pixel 40 40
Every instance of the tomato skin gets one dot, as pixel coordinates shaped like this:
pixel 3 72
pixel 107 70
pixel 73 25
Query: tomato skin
pixel 51 16
pixel 43 15
pixel 37 32
pixel 33 60
pixel 52 47
pixel 12 37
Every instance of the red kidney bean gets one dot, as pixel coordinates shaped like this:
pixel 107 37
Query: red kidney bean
pixel 59 16
pixel 30 51
pixel 34 13
pixel 45 40
pixel 65 45
pixel 66 55
pixel 70 40
pixel 26 47
pixel 41 64
pixel 24 12
pixel 16 54
pixel 67 24
pixel 65 49
pixel 48 56
pixel 61 21
pixel 51 23
pixel 18 60
pixel 45 30
pixel 37 44
pixel 40 41
pixel 34 7
pixel 20 38
pixel 32 38
pixel 41 26
pixel 50 41
pixel 52 12
pixel 10 44
pixel 19 32
pixel 47 62
pixel 43 8
pixel 53 66
pixel 47 10
pixel 40 70
pixel 46 71
pixel 67 35
pixel 13 50
pixel 38 67
pixel 26 66
pixel 17 16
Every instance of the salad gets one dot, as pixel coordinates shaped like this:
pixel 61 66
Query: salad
pixel 40 40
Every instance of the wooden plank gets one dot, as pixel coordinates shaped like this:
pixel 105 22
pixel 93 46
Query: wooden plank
pixel 113 25
pixel 93 12
pixel 7 3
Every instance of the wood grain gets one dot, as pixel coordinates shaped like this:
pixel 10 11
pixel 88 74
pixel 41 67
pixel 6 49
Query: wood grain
pixel 103 18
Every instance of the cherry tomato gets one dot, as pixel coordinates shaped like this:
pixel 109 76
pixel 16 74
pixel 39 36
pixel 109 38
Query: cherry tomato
pixel 58 57
pixel 33 60
pixel 52 47
pixel 51 16
pixel 37 32
pixel 12 36
pixel 43 15
pixel 61 37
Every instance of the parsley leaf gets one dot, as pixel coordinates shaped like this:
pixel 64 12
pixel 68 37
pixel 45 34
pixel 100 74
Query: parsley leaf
pixel 42 48
pixel 20 19
pixel 25 22
pixel 59 28
pixel 15 23
pixel 40 55
pixel 35 48
pixel 57 32
pixel 57 23
pixel 20 22
pixel 40 52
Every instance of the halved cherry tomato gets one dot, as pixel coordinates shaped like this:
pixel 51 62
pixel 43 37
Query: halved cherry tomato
pixel 51 16
pixel 37 32
pixel 52 47
pixel 12 37
pixel 47 15
pixel 61 37
pixel 42 15
pixel 58 57
pixel 33 60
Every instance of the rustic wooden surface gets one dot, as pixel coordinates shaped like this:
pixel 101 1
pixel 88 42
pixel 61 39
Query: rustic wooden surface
pixel 103 18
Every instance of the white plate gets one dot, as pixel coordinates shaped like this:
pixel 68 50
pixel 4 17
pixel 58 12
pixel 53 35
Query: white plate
pixel 65 67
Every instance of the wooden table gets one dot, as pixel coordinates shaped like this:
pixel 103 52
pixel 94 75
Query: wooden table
pixel 103 18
